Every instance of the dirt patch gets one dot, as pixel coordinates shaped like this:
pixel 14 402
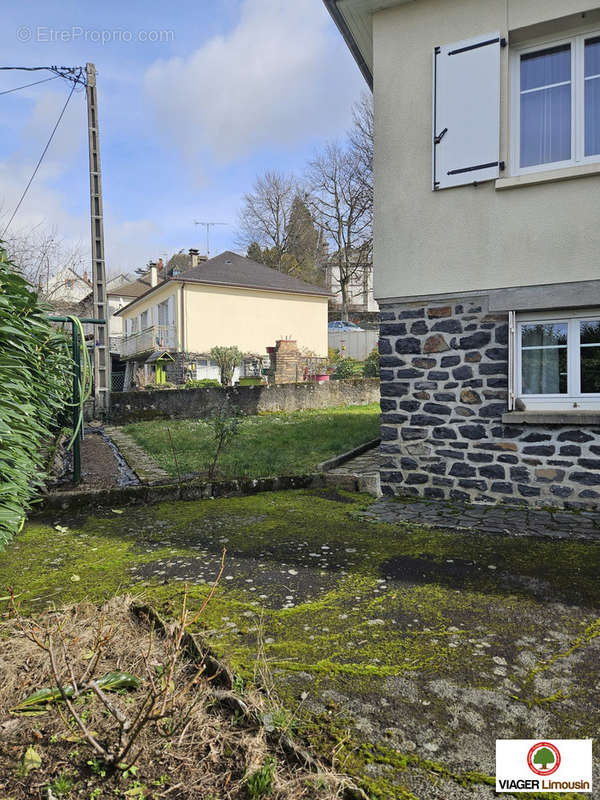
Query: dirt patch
pixel 99 466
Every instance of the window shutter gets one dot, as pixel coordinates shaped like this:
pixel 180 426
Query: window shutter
pixel 466 111
pixel 171 310
pixel 512 360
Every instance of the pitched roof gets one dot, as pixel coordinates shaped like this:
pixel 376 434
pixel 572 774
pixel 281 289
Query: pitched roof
pixel 230 269
pixel 133 288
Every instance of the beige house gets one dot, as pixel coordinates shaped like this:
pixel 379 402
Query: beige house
pixel 487 185
pixel 227 300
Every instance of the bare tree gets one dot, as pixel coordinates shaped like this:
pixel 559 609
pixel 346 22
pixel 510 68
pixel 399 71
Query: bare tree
pixel 343 206
pixel 40 254
pixel 265 214
pixel 362 139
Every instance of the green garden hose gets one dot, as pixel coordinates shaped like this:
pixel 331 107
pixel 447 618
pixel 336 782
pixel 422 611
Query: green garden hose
pixel 85 380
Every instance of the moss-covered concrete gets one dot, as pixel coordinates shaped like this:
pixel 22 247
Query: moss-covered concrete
pixel 402 652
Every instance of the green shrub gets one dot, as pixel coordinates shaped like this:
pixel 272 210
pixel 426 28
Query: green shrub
pixel 227 359
pixel 371 365
pixel 35 382
pixel 348 368
pixel 333 356
pixel 201 383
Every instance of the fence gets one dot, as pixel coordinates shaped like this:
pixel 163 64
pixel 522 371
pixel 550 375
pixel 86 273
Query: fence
pixel 117 381
pixel 357 344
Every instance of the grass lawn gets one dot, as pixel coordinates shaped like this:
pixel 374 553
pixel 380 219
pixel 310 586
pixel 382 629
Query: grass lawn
pixel 407 675
pixel 267 444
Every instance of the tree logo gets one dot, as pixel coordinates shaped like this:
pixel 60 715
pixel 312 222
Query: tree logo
pixel 543 758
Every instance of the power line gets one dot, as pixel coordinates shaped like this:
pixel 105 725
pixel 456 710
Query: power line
pixel 41 158
pixel 75 74
pixel 27 85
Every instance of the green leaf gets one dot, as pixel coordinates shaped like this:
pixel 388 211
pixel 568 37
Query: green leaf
pixel 37 702
pixel 31 760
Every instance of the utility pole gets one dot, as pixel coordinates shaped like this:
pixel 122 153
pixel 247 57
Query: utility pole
pixel 102 365
pixel 208 225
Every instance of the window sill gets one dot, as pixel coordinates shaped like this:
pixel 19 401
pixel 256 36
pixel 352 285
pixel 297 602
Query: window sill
pixel 548 176
pixel 567 417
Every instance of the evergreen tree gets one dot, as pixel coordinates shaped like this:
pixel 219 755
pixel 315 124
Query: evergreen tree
pixel 303 243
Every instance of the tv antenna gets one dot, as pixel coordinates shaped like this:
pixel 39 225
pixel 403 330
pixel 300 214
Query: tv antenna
pixel 208 226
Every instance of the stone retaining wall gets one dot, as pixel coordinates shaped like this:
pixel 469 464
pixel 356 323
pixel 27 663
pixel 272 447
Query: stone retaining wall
pixel 444 389
pixel 199 403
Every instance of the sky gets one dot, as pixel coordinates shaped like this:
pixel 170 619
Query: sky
pixel 195 98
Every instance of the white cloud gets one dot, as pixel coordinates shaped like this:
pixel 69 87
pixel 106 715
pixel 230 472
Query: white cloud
pixel 277 78
pixel 128 243
pixel 71 133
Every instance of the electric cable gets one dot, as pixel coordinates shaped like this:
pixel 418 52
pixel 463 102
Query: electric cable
pixel 41 158
pixel 27 85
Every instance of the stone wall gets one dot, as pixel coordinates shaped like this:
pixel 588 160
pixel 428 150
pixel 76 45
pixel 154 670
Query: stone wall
pixel 198 403
pixel 444 389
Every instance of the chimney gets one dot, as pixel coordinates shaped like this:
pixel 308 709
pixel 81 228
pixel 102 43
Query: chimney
pixel 153 274
pixel 85 276
pixel 193 257
pixel 160 265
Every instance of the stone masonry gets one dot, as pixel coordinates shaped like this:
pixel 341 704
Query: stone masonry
pixel 444 389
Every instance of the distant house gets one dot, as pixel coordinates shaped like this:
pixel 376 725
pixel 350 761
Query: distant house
pixel 227 300
pixel 360 288
pixel 64 290
pixel 120 290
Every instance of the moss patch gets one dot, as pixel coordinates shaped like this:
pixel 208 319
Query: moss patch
pixel 407 647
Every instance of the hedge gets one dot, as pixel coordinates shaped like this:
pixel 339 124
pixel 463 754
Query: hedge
pixel 35 381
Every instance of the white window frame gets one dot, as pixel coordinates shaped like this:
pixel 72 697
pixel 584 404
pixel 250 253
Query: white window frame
pixel 573 399
pixel 577 42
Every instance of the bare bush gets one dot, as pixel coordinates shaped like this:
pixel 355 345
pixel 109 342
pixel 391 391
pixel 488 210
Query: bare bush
pixel 186 732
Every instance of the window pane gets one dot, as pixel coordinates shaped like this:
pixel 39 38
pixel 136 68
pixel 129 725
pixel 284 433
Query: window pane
pixel 592 116
pixel 589 331
pixel 544 334
pixel 592 57
pixel 590 370
pixel 544 371
pixel 546 67
pixel 590 356
pixel 544 358
pixel 546 126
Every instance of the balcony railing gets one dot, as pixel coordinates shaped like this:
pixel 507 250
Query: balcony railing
pixel 156 337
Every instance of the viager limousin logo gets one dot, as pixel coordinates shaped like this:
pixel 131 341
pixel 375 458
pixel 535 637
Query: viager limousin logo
pixel 557 765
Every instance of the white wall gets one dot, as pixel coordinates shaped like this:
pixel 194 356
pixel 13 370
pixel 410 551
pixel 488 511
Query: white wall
pixel 465 238
pixel 252 319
